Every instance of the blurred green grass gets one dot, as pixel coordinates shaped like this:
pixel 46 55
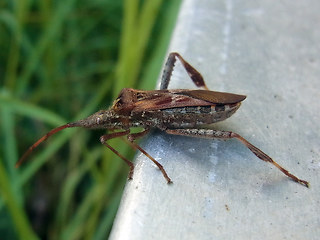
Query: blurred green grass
pixel 61 61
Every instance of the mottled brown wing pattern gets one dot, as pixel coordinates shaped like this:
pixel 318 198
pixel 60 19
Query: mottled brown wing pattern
pixel 183 98
pixel 214 97
pixel 168 100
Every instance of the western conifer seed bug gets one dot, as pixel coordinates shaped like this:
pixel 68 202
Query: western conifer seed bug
pixel 177 111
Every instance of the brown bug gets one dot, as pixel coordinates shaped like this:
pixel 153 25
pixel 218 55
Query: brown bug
pixel 177 111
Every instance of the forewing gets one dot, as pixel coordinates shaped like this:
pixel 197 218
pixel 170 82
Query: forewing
pixel 162 99
pixel 214 97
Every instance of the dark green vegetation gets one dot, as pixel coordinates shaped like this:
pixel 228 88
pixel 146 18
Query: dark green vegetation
pixel 61 61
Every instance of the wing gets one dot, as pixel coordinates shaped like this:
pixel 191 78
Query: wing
pixel 214 97
pixel 162 99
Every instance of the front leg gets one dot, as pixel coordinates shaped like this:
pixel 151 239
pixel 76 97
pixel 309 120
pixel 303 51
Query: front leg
pixel 106 137
pixel 209 133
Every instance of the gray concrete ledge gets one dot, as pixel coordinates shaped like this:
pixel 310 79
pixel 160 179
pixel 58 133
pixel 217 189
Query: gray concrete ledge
pixel 269 51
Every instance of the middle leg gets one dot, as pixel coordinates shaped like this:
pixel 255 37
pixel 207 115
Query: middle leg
pixel 133 136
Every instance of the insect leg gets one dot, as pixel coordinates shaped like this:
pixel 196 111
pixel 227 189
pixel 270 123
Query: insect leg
pixel 105 138
pixel 132 136
pixel 209 133
pixel 192 72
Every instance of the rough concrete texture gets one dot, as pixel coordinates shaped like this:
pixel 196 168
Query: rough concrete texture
pixel 270 52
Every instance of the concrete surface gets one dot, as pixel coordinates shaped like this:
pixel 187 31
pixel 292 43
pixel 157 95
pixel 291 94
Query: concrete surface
pixel 269 51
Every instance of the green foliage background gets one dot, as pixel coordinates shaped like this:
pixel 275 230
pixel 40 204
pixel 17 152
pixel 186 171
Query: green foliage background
pixel 62 60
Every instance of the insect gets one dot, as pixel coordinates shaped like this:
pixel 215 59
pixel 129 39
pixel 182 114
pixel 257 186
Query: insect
pixel 177 111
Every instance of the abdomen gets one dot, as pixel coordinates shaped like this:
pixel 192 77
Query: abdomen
pixel 185 117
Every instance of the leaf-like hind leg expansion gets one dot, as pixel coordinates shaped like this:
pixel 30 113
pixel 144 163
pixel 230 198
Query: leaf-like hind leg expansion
pixel 209 133
pixel 195 76
pixel 131 137
pixel 105 138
